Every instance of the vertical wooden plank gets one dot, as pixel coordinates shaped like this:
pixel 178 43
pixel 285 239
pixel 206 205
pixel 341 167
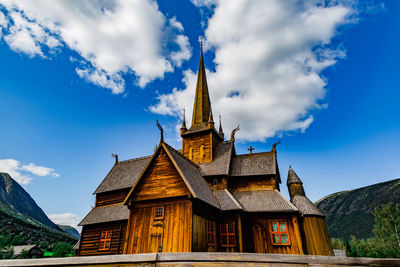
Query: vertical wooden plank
pixel 240 237
pixel 297 234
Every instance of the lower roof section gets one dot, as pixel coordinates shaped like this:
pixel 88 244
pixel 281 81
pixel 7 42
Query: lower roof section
pixel 247 201
pixel 305 206
pixel 264 201
pixel 106 214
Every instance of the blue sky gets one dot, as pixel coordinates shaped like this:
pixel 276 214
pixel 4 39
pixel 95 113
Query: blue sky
pixel 78 86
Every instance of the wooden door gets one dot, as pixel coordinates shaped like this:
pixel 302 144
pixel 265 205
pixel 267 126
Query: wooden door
pixel 259 239
pixel 156 237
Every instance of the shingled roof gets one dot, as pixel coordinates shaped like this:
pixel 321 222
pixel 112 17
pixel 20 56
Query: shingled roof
pixel 255 164
pixel 292 177
pixel 123 175
pixel 264 201
pixel 305 206
pixel 106 214
pixel 226 200
pixel 220 164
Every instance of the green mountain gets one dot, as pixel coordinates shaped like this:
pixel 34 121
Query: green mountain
pixel 351 212
pixel 22 221
pixel 70 230
pixel 14 196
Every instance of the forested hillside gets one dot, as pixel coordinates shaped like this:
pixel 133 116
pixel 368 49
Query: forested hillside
pixel 350 213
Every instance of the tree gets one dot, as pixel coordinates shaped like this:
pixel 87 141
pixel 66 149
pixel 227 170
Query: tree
pixel 387 229
pixel 62 249
pixel 7 252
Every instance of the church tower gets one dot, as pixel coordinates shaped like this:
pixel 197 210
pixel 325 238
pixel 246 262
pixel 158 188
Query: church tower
pixel 201 139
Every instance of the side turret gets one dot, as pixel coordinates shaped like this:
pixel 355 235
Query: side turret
pixel 294 184
pixel 312 220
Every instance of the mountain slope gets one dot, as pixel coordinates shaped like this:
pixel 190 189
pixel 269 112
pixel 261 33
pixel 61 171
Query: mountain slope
pixel 70 230
pixel 351 212
pixel 22 221
pixel 13 195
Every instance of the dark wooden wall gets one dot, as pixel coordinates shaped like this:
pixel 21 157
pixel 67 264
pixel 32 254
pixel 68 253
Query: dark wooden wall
pixel 316 236
pixel 200 235
pixel 252 183
pixel 91 237
pixel 173 233
pixel 257 234
pixel 112 197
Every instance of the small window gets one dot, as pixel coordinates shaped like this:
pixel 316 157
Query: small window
pixel 215 181
pixel 202 154
pixel 227 234
pixel 280 233
pixel 210 233
pixel 105 240
pixel 159 213
pixel 191 153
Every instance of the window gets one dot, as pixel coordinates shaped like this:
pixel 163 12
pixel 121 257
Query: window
pixel 280 234
pixel 105 240
pixel 202 154
pixel 210 233
pixel 215 181
pixel 191 153
pixel 227 234
pixel 159 213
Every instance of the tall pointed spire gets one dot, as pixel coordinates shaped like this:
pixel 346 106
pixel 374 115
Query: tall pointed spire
pixel 221 133
pixel 202 105
pixel 183 128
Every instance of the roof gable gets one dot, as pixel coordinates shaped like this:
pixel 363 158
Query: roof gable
pixel 160 180
pixel 188 171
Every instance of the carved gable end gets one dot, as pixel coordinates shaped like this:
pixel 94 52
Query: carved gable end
pixel 160 180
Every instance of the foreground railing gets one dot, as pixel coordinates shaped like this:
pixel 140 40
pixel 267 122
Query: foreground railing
pixel 204 259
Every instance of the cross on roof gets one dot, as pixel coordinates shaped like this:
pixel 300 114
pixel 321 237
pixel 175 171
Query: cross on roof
pixel 251 150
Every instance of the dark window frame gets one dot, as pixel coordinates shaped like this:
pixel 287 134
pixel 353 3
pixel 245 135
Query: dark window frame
pixel 211 233
pixel 157 215
pixel 227 234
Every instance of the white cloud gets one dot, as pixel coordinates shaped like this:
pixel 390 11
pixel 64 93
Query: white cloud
pixel 12 167
pixel 39 170
pixel 19 171
pixel 65 219
pixel 113 37
pixel 268 61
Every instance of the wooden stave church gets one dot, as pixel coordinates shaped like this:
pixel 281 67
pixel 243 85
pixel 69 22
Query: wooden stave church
pixel 203 198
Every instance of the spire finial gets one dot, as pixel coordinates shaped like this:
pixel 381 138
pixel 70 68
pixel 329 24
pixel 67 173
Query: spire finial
pixel 115 156
pixel 161 131
pixel 184 119
pixel 183 128
pixel 221 133
pixel 233 133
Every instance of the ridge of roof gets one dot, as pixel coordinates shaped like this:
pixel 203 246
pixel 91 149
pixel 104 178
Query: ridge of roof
pixel 254 154
pixel 233 199
pixel 133 159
